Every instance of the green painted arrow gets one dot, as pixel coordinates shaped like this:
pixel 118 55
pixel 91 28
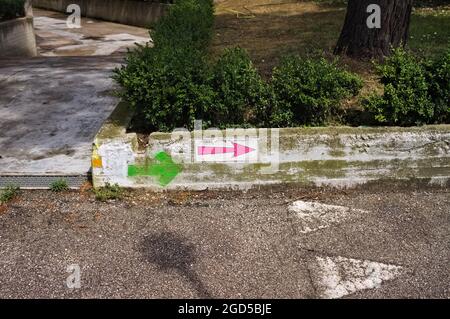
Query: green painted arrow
pixel 164 169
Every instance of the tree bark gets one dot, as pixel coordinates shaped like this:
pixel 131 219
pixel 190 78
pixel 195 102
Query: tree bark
pixel 359 41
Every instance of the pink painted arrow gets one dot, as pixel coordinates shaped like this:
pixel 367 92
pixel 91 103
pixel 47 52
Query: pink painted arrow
pixel 237 149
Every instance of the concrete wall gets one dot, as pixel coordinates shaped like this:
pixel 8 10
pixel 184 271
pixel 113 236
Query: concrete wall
pixel 333 156
pixel 137 13
pixel 17 38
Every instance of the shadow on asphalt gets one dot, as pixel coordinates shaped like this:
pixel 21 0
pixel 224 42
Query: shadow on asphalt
pixel 172 252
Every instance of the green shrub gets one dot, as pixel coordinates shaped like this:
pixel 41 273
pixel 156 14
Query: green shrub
pixel 415 90
pixel 242 95
pixel 168 87
pixel 59 185
pixel 439 79
pixel 172 84
pixel 307 91
pixel 405 100
pixel 8 193
pixel 109 192
pixel 11 9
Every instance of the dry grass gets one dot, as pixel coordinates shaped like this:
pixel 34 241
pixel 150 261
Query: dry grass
pixel 271 29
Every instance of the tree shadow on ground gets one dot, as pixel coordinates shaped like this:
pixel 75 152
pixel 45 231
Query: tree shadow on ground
pixel 169 252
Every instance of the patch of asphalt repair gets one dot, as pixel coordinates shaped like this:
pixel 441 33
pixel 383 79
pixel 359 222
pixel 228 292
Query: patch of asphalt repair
pixel 225 245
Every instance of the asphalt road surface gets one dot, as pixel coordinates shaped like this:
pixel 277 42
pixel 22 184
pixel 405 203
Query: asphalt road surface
pixel 377 242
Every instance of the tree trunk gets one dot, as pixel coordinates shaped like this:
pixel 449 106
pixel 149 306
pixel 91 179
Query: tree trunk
pixel 359 41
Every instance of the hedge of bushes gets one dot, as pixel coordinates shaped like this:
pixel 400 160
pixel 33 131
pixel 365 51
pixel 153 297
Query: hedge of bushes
pixel 175 82
pixel 11 9
pixel 416 91
pixel 307 91
pixel 168 84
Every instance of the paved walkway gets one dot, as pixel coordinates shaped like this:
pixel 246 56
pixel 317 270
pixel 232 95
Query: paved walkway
pixel 95 37
pixel 50 110
pixel 52 106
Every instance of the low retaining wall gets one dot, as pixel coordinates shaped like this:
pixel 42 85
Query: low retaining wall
pixel 17 38
pixel 332 156
pixel 137 13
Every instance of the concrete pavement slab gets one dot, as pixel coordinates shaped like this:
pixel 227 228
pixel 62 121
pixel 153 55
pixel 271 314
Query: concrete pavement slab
pixel 50 111
pixel 94 37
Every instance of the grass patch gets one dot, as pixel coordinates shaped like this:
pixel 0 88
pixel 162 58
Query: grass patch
pixel 8 193
pixel 108 192
pixel 430 31
pixel 59 185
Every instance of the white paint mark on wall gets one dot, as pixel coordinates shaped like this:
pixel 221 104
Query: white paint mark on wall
pixel 314 216
pixel 116 157
pixel 336 277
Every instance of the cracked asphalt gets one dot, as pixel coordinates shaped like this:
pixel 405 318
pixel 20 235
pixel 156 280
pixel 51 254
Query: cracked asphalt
pixel 219 244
